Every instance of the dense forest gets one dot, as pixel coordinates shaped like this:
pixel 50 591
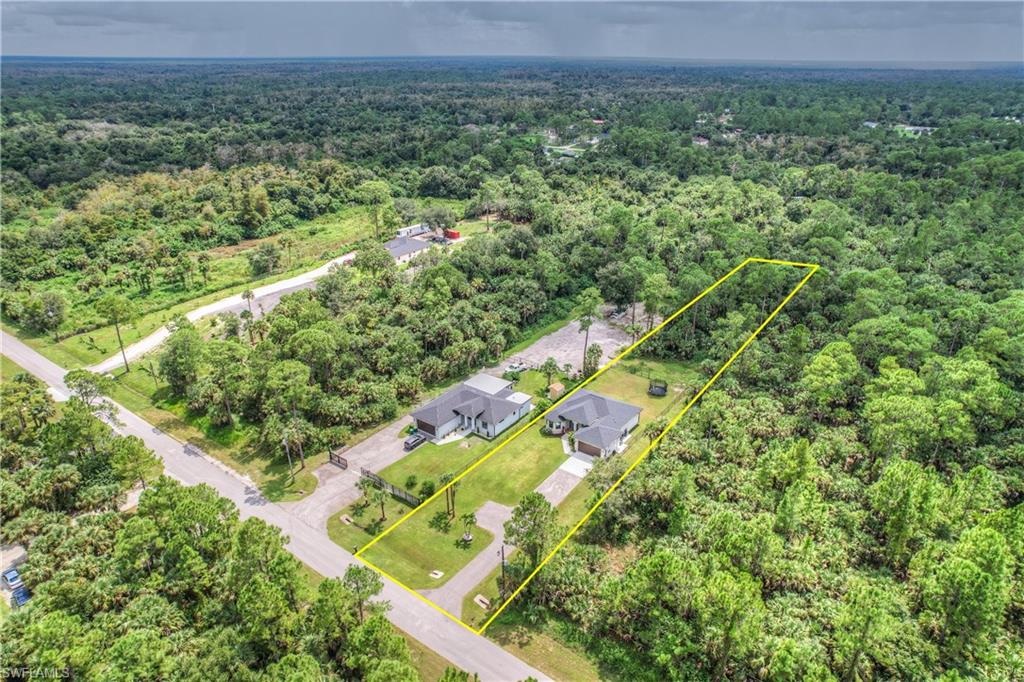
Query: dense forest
pixel 845 504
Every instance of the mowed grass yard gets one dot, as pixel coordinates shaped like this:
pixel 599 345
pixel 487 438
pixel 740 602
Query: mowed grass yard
pixel 9 369
pixel 629 379
pixel 414 549
pixel 427 463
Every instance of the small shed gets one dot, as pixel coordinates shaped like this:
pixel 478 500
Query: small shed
pixel 556 390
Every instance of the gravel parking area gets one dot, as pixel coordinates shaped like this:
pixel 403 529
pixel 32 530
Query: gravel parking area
pixel 566 344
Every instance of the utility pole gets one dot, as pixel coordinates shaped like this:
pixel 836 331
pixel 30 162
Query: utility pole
pixel 501 588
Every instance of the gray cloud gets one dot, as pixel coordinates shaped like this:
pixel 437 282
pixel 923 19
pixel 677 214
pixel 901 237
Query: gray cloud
pixel 785 31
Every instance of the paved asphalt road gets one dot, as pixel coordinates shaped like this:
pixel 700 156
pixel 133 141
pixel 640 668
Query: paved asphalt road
pixel 312 546
pixel 264 298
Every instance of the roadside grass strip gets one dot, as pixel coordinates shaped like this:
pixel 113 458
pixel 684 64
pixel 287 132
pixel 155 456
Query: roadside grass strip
pixel 507 486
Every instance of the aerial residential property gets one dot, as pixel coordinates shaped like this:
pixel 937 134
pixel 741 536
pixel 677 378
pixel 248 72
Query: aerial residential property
pixel 484 405
pixel 600 426
pixel 693 351
pixel 404 249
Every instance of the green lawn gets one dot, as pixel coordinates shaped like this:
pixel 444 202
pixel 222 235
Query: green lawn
pixel 472 613
pixel 429 462
pixel 468 228
pixel 535 383
pixel 9 368
pixel 628 380
pixel 414 549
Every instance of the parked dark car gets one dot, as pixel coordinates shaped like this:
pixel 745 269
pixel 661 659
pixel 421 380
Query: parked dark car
pixel 12 579
pixel 20 597
pixel 414 441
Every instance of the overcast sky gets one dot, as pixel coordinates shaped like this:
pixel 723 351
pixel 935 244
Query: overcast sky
pixel 810 31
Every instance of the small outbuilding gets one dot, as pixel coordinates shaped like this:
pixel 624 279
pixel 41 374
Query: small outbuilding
pixel 413 230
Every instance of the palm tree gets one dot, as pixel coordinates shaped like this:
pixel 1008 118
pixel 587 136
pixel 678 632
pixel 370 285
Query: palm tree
pixel 380 496
pixel 549 368
pixel 287 242
pixel 586 312
pixel 248 295
pixel 468 521
pixel 653 429
pixel 365 486
pixel 295 433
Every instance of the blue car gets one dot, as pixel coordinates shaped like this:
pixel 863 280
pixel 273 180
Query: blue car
pixel 12 579
pixel 20 597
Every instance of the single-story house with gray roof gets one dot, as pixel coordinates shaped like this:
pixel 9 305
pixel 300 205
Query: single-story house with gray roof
pixel 600 425
pixel 483 405
pixel 402 249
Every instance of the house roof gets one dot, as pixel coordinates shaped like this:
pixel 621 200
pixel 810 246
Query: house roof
pixel 469 400
pixel 403 246
pixel 487 383
pixel 603 437
pixel 603 418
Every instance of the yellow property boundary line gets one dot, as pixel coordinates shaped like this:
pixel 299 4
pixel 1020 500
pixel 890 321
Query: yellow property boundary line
pixel 812 267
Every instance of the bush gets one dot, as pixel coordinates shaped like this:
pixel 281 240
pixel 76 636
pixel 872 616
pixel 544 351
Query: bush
pixel 427 488
pixel 410 482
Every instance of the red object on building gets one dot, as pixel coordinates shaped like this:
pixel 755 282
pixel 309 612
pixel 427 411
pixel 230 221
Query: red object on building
pixel 452 234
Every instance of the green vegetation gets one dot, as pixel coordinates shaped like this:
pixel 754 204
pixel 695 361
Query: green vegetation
pixel 9 369
pixel 846 504
pixel 544 646
pixel 429 461
pixel 417 547
pixel 145 393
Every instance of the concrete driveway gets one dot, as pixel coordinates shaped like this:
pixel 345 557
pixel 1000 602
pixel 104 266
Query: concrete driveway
pixel 491 516
pixel 336 487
